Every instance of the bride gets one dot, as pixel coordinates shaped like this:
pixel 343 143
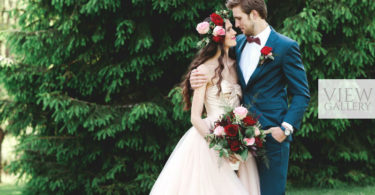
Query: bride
pixel 193 168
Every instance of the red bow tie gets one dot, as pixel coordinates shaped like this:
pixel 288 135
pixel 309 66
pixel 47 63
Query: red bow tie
pixel 253 40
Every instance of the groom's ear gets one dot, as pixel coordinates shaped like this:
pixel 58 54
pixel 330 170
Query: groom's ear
pixel 254 15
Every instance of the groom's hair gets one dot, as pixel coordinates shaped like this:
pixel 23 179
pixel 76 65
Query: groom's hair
pixel 248 5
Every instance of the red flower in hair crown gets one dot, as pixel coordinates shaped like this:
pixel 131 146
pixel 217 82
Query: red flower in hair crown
pixel 214 29
pixel 217 19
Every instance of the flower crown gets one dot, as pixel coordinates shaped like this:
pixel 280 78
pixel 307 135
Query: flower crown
pixel 213 30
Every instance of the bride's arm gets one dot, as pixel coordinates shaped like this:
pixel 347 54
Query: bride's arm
pixel 197 107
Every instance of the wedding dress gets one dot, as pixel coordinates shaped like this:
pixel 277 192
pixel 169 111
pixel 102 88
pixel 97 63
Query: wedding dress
pixel 195 169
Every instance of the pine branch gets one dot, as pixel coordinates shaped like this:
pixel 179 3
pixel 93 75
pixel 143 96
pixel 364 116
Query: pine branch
pixel 95 104
pixel 18 31
pixel 59 137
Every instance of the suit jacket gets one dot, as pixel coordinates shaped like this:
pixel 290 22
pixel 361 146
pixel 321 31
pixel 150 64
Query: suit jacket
pixel 267 89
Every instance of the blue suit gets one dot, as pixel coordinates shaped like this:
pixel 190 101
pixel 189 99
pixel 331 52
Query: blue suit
pixel 266 93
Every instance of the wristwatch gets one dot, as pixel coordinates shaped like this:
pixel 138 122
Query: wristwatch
pixel 286 129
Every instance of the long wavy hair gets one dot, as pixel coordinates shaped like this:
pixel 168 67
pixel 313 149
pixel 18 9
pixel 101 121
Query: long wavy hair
pixel 201 57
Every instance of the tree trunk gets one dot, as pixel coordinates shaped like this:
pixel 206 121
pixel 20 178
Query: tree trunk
pixel 2 135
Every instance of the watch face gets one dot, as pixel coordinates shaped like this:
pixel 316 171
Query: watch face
pixel 287 132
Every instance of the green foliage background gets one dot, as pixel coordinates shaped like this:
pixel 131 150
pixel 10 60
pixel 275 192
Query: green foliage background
pixel 93 97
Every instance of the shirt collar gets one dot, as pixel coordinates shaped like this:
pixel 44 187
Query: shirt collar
pixel 263 36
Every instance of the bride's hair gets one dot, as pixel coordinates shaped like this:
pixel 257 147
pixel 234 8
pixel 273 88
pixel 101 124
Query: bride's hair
pixel 202 56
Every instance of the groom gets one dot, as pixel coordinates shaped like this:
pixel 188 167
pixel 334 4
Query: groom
pixel 267 80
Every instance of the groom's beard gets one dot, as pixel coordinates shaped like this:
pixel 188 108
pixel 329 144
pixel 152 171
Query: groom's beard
pixel 250 31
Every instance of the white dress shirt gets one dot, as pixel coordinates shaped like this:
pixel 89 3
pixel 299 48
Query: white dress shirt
pixel 250 59
pixel 251 54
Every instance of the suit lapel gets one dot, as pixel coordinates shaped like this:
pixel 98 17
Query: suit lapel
pixel 270 43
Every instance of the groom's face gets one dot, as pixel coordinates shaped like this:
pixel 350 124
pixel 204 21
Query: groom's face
pixel 243 21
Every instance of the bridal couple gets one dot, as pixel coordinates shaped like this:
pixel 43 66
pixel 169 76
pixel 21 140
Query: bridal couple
pixel 259 68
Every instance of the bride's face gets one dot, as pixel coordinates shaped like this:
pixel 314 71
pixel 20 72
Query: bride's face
pixel 230 35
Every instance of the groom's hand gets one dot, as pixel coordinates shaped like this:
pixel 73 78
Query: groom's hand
pixel 278 134
pixel 197 79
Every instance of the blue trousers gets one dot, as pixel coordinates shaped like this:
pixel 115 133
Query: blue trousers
pixel 273 179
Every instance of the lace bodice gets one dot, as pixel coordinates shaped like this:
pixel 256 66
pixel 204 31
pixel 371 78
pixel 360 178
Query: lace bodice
pixel 230 95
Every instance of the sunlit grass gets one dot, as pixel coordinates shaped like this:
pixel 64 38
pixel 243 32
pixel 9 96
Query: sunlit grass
pixel 10 189
pixel 339 191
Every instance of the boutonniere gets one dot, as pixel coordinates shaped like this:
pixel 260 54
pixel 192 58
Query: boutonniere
pixel 265 54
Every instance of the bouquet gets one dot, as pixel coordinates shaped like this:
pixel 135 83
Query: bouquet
pixel 238 132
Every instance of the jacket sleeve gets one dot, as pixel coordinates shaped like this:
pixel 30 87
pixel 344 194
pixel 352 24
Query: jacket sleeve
pixel 297 86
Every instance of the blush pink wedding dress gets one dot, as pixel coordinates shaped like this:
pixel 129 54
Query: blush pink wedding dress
pixel 195 169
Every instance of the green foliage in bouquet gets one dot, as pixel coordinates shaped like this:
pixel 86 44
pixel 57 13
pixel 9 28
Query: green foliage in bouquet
pixel 231 134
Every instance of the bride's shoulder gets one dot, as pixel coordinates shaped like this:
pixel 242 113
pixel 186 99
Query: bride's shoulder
pixel 208 67
pixel 203 68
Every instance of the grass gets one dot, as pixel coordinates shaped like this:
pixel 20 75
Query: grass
pixel 369 190
pixel 10 189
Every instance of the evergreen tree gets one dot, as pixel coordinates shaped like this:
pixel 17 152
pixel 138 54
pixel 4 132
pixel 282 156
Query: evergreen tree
pixel 94 82
pixel 337 42
pixel 91 79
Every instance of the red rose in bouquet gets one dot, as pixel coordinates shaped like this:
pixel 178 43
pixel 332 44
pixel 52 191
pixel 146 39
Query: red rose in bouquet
pixel 238 133
pixel 258 142
pixel 216 19
pixel 234 145
pixel 231 130
pixel 249 121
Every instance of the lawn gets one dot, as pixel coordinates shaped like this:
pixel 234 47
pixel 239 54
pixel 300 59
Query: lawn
pixel 369 190
pixel 11 189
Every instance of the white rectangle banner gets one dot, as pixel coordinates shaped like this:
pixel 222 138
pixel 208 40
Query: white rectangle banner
pixel 346 98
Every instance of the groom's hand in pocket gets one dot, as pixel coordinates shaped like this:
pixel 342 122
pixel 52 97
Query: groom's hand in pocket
pixel 197 78
pixel 278 134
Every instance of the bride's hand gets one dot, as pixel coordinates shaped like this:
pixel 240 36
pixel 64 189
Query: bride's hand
pixel 233 159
